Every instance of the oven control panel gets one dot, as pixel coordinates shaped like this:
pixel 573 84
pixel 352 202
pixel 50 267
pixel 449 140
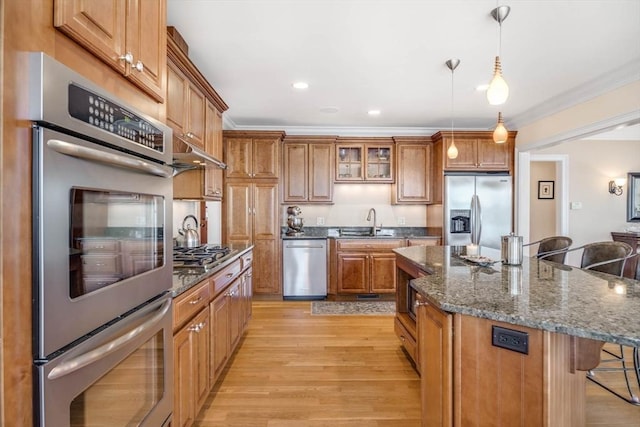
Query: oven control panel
pixel 104 114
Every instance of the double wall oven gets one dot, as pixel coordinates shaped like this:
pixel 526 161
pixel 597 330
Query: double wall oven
pixel 102 255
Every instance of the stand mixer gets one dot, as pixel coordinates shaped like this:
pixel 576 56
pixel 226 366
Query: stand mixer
pixel 294 221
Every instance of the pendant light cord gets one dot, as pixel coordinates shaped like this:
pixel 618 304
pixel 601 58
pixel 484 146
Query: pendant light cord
pixel 452 138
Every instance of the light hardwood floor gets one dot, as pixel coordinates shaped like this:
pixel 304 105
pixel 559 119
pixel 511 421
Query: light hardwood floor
pixel 294 369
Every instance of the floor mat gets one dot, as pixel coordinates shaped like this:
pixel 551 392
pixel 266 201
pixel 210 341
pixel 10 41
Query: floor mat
pixel 353 307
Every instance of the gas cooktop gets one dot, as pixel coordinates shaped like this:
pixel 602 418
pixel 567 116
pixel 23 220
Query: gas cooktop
pixel 206 256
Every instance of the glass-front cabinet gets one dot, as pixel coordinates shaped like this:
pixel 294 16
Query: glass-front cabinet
pixel 364 162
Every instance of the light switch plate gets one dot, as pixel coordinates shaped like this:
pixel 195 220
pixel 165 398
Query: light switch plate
pixel 575 205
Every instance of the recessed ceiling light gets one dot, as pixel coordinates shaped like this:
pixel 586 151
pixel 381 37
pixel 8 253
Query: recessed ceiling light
pixel 483 87
pixel 300 85
pixel 374 112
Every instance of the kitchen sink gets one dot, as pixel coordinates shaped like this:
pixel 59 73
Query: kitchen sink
pixel 360 232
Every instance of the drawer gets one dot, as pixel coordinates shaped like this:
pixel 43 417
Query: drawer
pixel 369 244
pixel 247 260
pixel 407 340
pixel 225 276
pixel 190 303
pixel 101 264
pixel 98 245
pixel 435 241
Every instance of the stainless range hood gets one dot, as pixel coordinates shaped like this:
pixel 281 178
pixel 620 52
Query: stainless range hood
pixel 194 158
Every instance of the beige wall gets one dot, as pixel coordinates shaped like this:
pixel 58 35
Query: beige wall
pixel 592 164
pixel 352 203
pixel 543 211
pixel 616 103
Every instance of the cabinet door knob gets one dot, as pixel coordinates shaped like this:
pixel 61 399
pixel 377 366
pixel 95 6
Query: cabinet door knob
pixel 139 66
pixel 127 57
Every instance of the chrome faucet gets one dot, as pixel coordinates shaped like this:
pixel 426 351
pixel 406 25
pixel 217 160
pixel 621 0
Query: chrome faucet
pixel 373 229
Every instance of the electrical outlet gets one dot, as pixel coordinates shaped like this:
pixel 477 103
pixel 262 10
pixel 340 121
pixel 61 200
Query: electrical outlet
pixel 401 220
pixel 320 220
pixel 510 339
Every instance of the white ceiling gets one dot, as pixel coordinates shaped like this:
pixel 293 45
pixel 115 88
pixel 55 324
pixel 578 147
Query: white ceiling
pixel 390 55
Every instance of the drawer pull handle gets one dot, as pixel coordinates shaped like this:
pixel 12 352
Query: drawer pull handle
pixel 195 301
pixel 229 274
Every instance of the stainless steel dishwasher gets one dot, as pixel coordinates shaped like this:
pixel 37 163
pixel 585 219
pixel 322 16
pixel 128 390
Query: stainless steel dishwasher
pixel 304 268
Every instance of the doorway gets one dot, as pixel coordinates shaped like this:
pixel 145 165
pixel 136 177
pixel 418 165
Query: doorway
pixel 543 199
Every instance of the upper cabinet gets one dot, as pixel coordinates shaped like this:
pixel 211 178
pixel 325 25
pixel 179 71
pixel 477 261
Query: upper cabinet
pixel 308 168
pixel 194 112
pixel 364 160
pixel 194 108
pixel 252 154
pixel 414 168
pixel 128 35
pixel 185 109
pixel 476 151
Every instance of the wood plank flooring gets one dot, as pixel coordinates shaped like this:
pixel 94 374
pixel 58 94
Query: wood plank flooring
pixel 294 369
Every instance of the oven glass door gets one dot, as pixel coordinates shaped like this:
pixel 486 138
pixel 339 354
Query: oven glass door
pixel 101 245
pixel 113 236
pixel 119 377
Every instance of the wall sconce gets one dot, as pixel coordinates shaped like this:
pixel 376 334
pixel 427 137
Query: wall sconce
pixel 615 186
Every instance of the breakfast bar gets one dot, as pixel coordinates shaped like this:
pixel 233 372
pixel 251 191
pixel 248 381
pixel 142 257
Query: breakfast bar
pixel 510 344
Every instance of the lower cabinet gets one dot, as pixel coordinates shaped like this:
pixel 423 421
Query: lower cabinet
pixel 436 365
pixel 209 321
pixel 366 266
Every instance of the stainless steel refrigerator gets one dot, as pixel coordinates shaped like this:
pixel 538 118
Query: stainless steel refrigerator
pixel 477 209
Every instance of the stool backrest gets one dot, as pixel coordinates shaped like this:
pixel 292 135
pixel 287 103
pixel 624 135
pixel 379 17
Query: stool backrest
pixel 554 248
pixel 606 257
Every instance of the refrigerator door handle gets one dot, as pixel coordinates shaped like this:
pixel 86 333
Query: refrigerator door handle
pixel 478 220
pixel 476 223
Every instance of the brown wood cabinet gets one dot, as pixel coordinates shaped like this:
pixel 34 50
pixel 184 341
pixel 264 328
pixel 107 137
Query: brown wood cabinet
pixel 250 214
pixel 366 266
pixel 128 35
pixel 476 151
pixel 185 109
pixel 364 160
pixel 199 184
pixel 414 167
pixel 194 112
pixel 191 353
pixel 252 155
pixel 308 169
pixel 436 365
pixel 208 322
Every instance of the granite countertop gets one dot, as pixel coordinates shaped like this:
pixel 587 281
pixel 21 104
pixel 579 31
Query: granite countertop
pixel 387 233
pixel 538 294
pixel 185 278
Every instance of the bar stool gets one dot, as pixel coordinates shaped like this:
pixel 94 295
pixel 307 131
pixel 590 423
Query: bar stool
pixel 552 248
pixel 610 257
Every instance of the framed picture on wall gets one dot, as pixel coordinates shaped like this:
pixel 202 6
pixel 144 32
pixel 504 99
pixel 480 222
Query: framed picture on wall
pixel 545 189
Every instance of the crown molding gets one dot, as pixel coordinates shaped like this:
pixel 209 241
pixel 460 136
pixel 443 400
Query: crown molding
pixel 622 76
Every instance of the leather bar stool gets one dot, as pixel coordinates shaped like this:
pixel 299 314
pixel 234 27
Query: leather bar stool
pixel 552 248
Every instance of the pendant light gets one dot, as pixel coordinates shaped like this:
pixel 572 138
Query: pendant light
pixel 452 152
pixel 500 134
pixel 498 90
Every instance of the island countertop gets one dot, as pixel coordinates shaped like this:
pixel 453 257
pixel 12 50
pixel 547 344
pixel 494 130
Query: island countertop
pixel 538 294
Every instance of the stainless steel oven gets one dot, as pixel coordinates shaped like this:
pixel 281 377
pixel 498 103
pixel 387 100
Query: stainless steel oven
pixel 102 251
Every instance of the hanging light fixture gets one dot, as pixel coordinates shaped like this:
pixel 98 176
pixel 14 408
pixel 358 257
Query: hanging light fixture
pixel 498 90
pixel 452 151
pixel 500 134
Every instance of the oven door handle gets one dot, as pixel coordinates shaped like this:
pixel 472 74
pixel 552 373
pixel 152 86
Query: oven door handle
pixel 114 159
pixel 102 351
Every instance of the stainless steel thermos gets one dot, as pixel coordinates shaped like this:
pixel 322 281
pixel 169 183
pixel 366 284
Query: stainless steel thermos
pixel 512 249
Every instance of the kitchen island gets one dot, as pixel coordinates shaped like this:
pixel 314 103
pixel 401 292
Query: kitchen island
pixel 509 345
